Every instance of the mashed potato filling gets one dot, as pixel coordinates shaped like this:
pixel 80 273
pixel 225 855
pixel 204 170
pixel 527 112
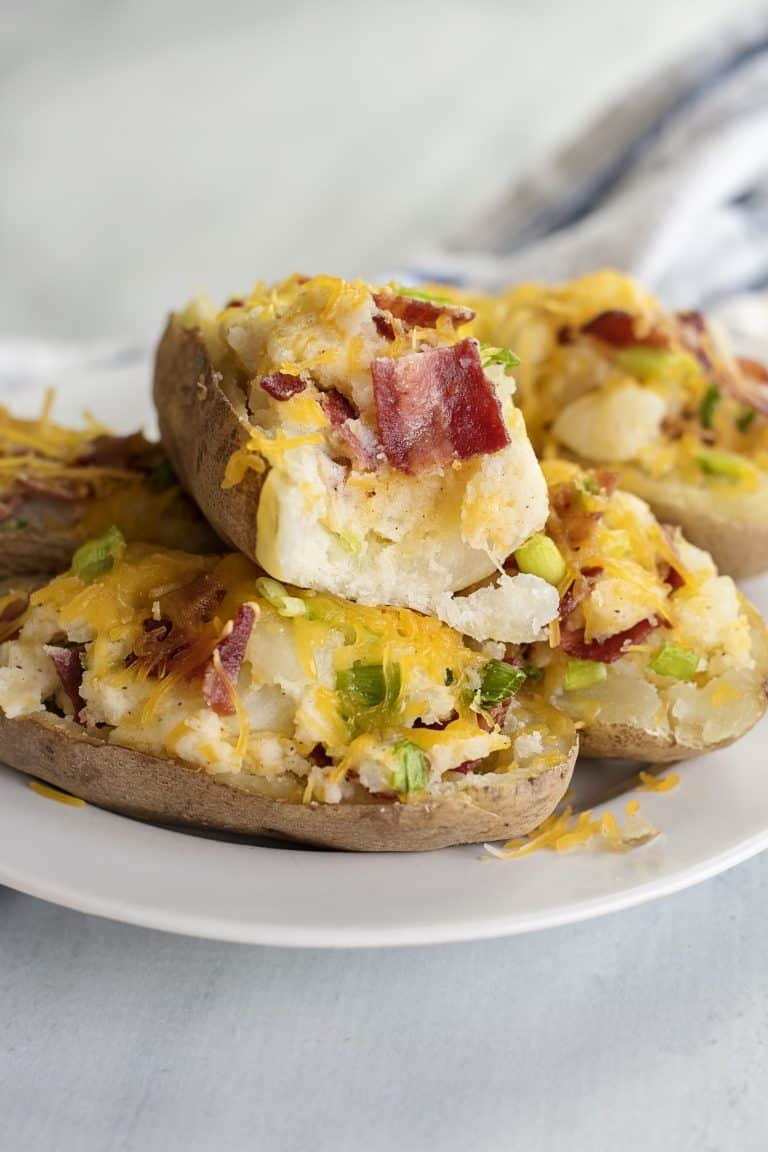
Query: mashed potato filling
pixel 334 513
pixel 688 662
pixel 306 696
pixel 611 377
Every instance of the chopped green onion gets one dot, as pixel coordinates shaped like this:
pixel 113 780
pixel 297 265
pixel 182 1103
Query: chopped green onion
pixel 503 356
pixel 539 556
pixel 712 398
pixel 276 595
pixel 720 464
pixel 499 682
pixel 367 685
pixel 583 674
pixel 98 556
pixel 419 294
pixel 647 362
pixel 589 484
pixel 679 663
pixel 411 772
pixel 533 672
pixel 163 476
pixel 746 419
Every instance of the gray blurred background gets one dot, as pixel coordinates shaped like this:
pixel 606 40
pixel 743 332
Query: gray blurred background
pixel 151 149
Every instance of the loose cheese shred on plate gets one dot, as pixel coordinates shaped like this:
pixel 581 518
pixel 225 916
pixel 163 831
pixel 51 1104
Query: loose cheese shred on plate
pixel 651 783
pixel 51 793
pixel 565 830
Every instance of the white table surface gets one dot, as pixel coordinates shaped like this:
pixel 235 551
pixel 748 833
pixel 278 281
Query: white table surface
pixel 150 148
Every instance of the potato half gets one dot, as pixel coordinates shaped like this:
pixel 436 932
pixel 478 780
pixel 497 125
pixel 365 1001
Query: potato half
pixel 657 656
pixel 167 791
pixel 609 378
pixel 191 690
pixel 62 486
pixel 348 440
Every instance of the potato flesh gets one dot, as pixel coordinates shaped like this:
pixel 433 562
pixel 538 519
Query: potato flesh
pixel 288 689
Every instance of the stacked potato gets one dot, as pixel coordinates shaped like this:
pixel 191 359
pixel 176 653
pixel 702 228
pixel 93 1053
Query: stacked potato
pixel 418 614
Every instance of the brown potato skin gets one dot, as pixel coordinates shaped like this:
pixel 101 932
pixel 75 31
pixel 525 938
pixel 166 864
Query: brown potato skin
pixel 201 430
pixel 166 791
pixel 35 551
pixel 739 549
pixel 627 742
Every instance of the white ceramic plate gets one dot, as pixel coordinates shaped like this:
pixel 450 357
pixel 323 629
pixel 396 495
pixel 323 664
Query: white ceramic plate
pixel 104 864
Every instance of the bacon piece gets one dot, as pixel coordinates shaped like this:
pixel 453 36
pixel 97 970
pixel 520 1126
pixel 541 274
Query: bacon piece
pixel 695 336
pixel 383 327
pixel 282 385
pixel 174 640
pixel 672 577
pixel 336 407
pixel 466 767
pixel 219 682
pixel 750 385
pixel 578 591
pixel 132 453
pixel 14 608
pixel 353 438
pixel 415 313
pixel 607 480
pixel 568 518
pixel 605 651
pixel 9 504
pixel 753 368
pixel 69 668
pixel 436 406
pixel 69 492
pixel 193 603
pixel 618 328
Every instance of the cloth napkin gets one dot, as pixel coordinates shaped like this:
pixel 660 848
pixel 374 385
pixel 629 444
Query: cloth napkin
pixel 669 184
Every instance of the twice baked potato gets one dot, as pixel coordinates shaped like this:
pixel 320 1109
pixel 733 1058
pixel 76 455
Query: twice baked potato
pixel 609 378
pixel 656 656
pixel 347 439
pixel 61 486
pixel 190 690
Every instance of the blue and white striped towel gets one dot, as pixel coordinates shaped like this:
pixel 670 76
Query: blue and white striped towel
pixel 671 184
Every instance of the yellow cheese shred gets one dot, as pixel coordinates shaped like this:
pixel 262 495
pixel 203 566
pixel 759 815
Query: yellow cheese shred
pixel 51 793
pixel 566 830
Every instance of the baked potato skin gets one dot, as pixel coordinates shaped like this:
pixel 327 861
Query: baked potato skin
pixel 603 741
pixel 201 431
pixel 739 547
pixel 165 791
pixel 35 551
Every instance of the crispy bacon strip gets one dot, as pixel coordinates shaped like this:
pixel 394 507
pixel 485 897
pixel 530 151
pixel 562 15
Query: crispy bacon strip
pixel 132 453
pixel 174 640
pixel 466 767
pixel 436 406
pixel 282 385
pixel 414 313
pixel 750 386
pixel 9 504
pixel 607 480
pixel 695 336
pixel 336 407
pixel 14 608
pixel 353 438
pixel 383 327
pixel 69 668
pixel 605 651
pixel 618 328
pixel 219 682
pixel 69 492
